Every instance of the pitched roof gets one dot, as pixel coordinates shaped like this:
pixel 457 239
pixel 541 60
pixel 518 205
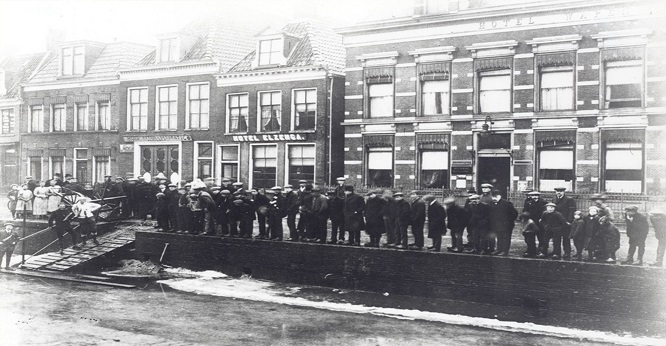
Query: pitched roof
pixel 113 57
pixel 318 45
pixel 17 70
pixel 221 39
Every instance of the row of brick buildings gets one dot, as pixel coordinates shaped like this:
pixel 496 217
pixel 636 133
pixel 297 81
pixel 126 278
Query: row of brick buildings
pixel 451 95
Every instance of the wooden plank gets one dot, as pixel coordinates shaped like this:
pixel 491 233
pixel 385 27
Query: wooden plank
pixel 39 274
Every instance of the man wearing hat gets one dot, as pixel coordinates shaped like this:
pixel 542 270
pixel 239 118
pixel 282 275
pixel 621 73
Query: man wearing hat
pixel 456 221
pixel 555 226
pixel 336 205
pixel 260 203
pixel 291 204
pixel 84 213
pixel 223 205
pixel 238 186
pixel 402 219
pixel 304 220
pixel 226 185
pixel 566 206
pixel 354 206
pixel 173 197
pixel 374 221
pixel 486 193
pixel 241 216
pixel 208 205
pixel 130 206
pixel 275 213
pixel 637 231
pixel 320 215
pixel 535 206
pixel 185 221
pixel 658 220
pixel 59 221
pixel 340 188
pixel 502 220
pixel 436 222
pixel 417 211
pixel 479 224
pixel 8 240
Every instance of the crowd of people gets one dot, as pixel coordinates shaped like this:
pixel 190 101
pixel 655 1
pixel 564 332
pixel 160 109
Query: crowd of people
pixel 202 207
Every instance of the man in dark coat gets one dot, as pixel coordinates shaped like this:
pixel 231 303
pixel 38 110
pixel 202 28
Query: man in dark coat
pixel 241 216
pixel 261 203
pixel 290 201
pixel 320 215
pixel 185 221
pixel 172 203
pixel 479 223
pixel 566 206
pixel 274 214
pixel 353 210
pixel 659 223
pixel 555 226
pixel 304 220
pixel 456 221
pixel 8 240
pixel 502 220
pixel 637 231
pixel 402 220
pixel 389 217
pixel 336 203
pixel 535 206
pixel 418 216
pixel 436 222
pixel 206 201
pixel 223 204
pixel 374 221
pixel 130 207
pixel 59 221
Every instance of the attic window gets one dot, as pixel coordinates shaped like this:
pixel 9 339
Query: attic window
pixel 270 52
pixel 168 49
pixel 72 61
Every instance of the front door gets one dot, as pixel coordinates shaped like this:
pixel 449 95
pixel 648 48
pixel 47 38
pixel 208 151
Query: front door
pixel 496 171
pixel 156 159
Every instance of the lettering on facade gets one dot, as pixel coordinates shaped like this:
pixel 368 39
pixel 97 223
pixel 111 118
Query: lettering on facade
pixel 159 138
pixel 127 148
pixel 280 137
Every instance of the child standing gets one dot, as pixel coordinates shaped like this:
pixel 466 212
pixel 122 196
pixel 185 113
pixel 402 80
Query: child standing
pixel 590 230
pixel 578 233
pixel 530 231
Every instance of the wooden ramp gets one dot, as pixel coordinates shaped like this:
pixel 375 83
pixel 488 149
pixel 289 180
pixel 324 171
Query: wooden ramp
pixel 72 258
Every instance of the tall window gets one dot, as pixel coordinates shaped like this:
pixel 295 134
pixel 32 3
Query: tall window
pixel 35 167
pixel 57 165
pixel 36 119
pixel 72 61
pixel 270 52
pixel 495 91
pixel 556 168
pixel 557 88
pixel 102 167
pixel 199 95
pixel 103 116
pixel 81 116
pixel 380 166
pixel 435 97
pixel 301 163
pixel 229 161
pixel 168 49
pixel 167 107
pixel 623 167
pixel 271 107
pixel 238 107
pixel 8 120
pixel 59 119
pixel 138 109
pixel 624 84
pixel 264 166
pixel 434 168
pixel 305 109
pixel 380 97
pixel 204 159
pixel 81 165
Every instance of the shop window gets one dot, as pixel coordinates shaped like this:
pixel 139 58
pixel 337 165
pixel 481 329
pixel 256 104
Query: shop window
pixel 301 163
pixel 380 100
pixel 623 84
pixel 264 166
pixel 167 107
pixel 305 109
pixel 59 118
pixel 198 100
pixel 434 169
pixel 138 112
pixel 557 88
pixel 271 111
pixel 229 161
pixel 380 167
pixel 556 168
pixel 495 91
pixel 238 108
pixel 623 167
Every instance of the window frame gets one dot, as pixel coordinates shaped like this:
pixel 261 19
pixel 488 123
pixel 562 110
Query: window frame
pixel 604 162
pixel 64 165
pixel 77 116
pixel 75 66
pixel 280 50
pixel 538 87
pixel 41 165
pixel 41 122
pixel 219 161
pixel 173 51
pixel 228 117
pixel 570 148
pixel 500 72
pixel 446 180
pixel 287 161
pixel 188 114
pixel 76 160
pixel 94 168
pixel 604 80
pixel 158 115
pixel 130 127
pixel 195 171
pixel 97 116
pixel 421 102
pixel 11 120
pixel 369 100
pixel 368 150
pixel 251 173
pixel 63 120
pixel 294 111
pixel 259 110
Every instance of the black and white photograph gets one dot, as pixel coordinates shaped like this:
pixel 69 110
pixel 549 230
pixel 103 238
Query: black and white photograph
pixel 332 172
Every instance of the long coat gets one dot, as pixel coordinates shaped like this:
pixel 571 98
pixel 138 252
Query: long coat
pixel 535 208
pixel 457 218
pixel 418 212
pixel 479 216
pixel 374 216
pixel 565 206
pixel 502 216
pixel 354 207
pixel 555 223
pixel 402 212
pixel 659 224
pixel 436 220
pixel 637 229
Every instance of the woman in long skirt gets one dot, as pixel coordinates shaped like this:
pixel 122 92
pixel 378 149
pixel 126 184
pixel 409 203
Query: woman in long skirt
pixel 54 198
pixel 24 201
pixel 41 201
pixel 12 195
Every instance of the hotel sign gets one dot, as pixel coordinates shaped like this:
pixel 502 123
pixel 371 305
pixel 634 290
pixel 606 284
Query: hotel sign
pixel 158 138
pixel 278 137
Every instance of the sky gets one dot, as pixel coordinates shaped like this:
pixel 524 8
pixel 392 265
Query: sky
pixel 26 25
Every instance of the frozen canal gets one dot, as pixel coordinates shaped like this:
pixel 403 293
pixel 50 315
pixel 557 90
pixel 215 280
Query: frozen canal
pixel 212 309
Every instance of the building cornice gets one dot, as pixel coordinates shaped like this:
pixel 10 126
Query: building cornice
pixel 170 70
pixel 79 83
pixel 260 76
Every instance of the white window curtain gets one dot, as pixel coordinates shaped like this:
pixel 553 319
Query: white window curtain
pixel 623 84
pixel 382 160
pixel 381 100
pixel 435 160
pixel 435 97
pixel 557 92
pixel 556 159
pixel 495 93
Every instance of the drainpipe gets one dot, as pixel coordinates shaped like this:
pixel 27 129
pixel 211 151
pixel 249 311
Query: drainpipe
pixel 329 99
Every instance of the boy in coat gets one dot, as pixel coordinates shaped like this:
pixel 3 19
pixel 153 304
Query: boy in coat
pixel 554 224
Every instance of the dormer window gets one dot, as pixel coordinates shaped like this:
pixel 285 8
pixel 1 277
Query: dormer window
pixel 270 52
pixel 168 49
pixel 72 61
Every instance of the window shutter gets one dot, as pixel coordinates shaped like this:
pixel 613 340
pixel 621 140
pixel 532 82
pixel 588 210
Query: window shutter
pixel 374 75
pixel 554 138
pixel 378 141
pixel 555 59
pixel 432 141
pixel 433 72
pixel 492 64
pixel 623 54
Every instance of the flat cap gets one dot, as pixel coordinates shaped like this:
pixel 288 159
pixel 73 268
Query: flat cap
pixel 490 186
pixel 238 183
pixel 238 201
pixel 551 204
pixel 341 178
pixel 560 188
pixel 398 194
pixel 302 181
pixel 631 208
pixel 598 196
pixel 349 188
pixel 496 192
pixel 9 223
pixel 225 192
pixel 173 185
pixel 474 196
pixel 534 193
pixel 276 188
pixel 316 189
pixel 289 186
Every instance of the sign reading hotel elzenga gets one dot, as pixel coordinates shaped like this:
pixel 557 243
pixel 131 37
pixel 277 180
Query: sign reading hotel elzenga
pixel 278 137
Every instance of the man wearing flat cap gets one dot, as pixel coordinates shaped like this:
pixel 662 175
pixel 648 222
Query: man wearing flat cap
pixel 555 226
pixel 291 204
pixel 566 206
pixel 8 240
pixel 637 231
pixel 502 220
pixel 319 209
pixel 486 193
pixel 353 210
pixel 340 187
pixel 535 206
pixel 374 221
pixel 260 202
pixel 336 204
pixel 402 220
pixel 479 224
